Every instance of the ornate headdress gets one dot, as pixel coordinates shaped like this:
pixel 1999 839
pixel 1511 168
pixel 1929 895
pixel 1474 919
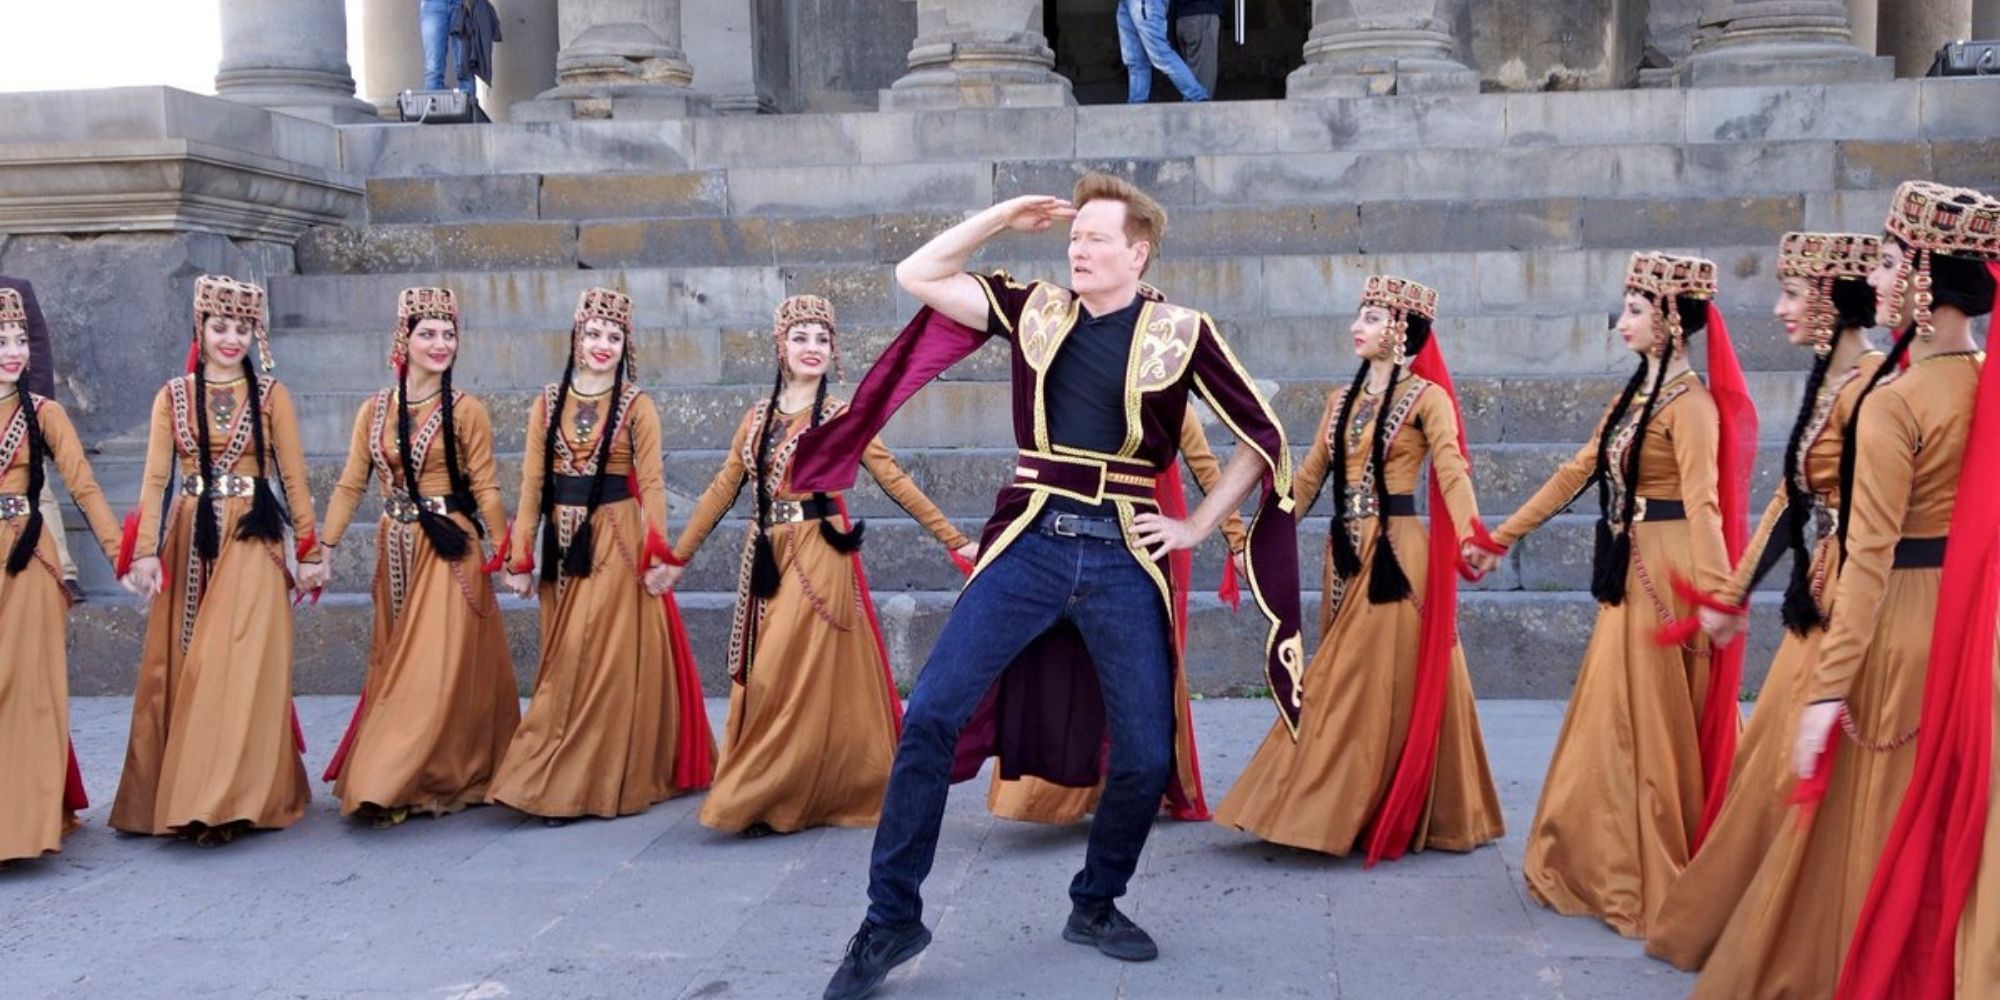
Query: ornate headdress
pixel 1936 218
pixel 605 304
pixel 1403 298
pixel 220 295
pixel 414 306
pixel 804 309
pixel 12 309
pixel 1821 259
pixel 1666 278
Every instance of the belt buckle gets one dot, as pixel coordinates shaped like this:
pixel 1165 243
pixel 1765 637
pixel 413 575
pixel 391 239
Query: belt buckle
pixel 435 505
pixel 12 506
pixel 787 512
pixel 236 486
pixel 1638 509
pixel 1060 526
pixel 400 508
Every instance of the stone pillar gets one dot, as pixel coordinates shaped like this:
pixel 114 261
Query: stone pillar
pixel 1744 42
pixel 1913 30
pixel 395 47
pixel 979 53
pixel 289 56
pixel 722 45
pixel 1375 47
pixel 1986 19
pixel 619 59
pixel 524 63
pixel 1862 16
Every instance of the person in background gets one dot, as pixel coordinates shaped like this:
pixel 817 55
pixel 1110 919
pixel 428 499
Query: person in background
pixel 1143 45
pixel 434 19
pixel 1198 32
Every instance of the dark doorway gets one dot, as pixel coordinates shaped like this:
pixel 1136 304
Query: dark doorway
pixel 1084 35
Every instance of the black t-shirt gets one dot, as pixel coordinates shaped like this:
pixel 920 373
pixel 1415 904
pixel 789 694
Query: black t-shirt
pixel 1085 390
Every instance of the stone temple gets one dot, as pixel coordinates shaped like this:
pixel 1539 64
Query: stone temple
pixel 712 156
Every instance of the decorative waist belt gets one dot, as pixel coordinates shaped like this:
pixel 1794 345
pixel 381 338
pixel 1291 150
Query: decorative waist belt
pixel 574 491
pixel 219 486
pixel 407 509
pixel 13 505
pixel 1091 480
pixel 1920 553
pixel 794 511
pixel 1362 506
pixel 1655 509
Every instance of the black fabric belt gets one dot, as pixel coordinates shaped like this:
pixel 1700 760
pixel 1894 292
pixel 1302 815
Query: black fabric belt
pixel 1360 507
pixel 1065 525
pixel 793 511
pixel 1920 553
pixel 1651 509
pixel 574 491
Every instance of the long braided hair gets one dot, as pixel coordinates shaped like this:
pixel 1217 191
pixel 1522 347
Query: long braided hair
pixel 574 561
pixel 1387 582
pixel 1613 554
pixel 30 537
pixel 446 537
pixel 764 573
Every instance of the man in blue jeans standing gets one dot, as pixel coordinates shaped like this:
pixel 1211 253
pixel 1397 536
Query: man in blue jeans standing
pixel 440 48
pixel 1143 45
pixel 1062 642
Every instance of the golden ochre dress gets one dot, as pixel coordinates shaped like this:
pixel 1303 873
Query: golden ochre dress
pixel 1623 796
pixel 813 712
pixel 1322 792
pixel 214 738
pixel 1789 935
pixel 616 722
pixel 439 703
pixel 1691 919
pixel 1033 800
pixel 43 789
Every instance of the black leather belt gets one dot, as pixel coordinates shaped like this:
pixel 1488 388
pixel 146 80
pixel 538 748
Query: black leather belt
pixel 1651 509
pixel 1920 553
pixel 574 491
pixel 1065 525
pixel 1361 506
pixel 794 511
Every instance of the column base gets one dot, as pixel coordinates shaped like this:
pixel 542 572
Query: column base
pixel 1381 78
pixel 642 102
pixel 1783 64
pixel 317 107
pixel 949 96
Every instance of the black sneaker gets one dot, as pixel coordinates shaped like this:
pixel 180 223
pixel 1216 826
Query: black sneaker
pixel 871 953
pixel 1110 932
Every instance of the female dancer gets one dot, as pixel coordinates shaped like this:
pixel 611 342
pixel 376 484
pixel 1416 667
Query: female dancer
pixel 215 744
pixel 1650 729
pixel 1825 304
pixel 616 723
pixel 813 713
pixel 44 788
pixel 439 703
pixel 1905 632
pixel 1389 746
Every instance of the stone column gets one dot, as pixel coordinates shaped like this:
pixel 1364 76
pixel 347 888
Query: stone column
pixel 289 56
pixel 721 44
pixel 524 63
pixel 1744 42
pixel 395 47
pixel 1375 47
pixel 619 59
pixel 979 53
pixel 1913 29
pixel 1986 19
pixel 1862 16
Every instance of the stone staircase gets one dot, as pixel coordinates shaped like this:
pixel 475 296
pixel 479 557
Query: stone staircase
pixel 1521 209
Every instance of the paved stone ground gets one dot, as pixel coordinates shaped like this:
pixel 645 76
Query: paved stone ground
pixel 487 905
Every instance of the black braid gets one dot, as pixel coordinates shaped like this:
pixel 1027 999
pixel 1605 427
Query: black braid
pixel 38 451
pixel 1613 552
pixel 844 542
pixel 1848 449
pixel 1346 560
pixel 1801 611
pixel 764 573
pixel 1387 583
pixel 577 558
pixel 207 525
pixel 264 521
pixel 551 545
pixel 461 482
pixel 444 534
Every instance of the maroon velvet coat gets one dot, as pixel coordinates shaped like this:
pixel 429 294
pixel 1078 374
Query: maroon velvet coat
pixel 1045 716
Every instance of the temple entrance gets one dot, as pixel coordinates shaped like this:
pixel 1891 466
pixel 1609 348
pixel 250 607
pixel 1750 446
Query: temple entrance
pixel 1084 35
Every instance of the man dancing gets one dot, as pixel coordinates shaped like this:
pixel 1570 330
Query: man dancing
pixel 1062 642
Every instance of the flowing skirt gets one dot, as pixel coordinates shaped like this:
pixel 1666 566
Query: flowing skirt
pixel 1321 792
pixel 39 806
pixel 602 733
pixel 214 740
pixel 813 722
pixel 439 704
pixel 1788 936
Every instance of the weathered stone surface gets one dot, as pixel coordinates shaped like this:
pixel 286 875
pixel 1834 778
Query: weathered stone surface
pixel 1728 221
pixel 1872 165
pixel 1956 108
pixel 621 196
pixel 1973 163
pixel 1867 111
pixel 824 240
pixel 1169 181
pixel 488 246
pixel 1596 116
pixel 830 190
pixel 674 242
pixel 453 199
pixel 1539 224
pixel 961 133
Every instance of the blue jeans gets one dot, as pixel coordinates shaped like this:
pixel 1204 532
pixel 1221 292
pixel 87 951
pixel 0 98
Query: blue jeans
pixel 1143 45
pixel 1038 581
pixel 440 49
